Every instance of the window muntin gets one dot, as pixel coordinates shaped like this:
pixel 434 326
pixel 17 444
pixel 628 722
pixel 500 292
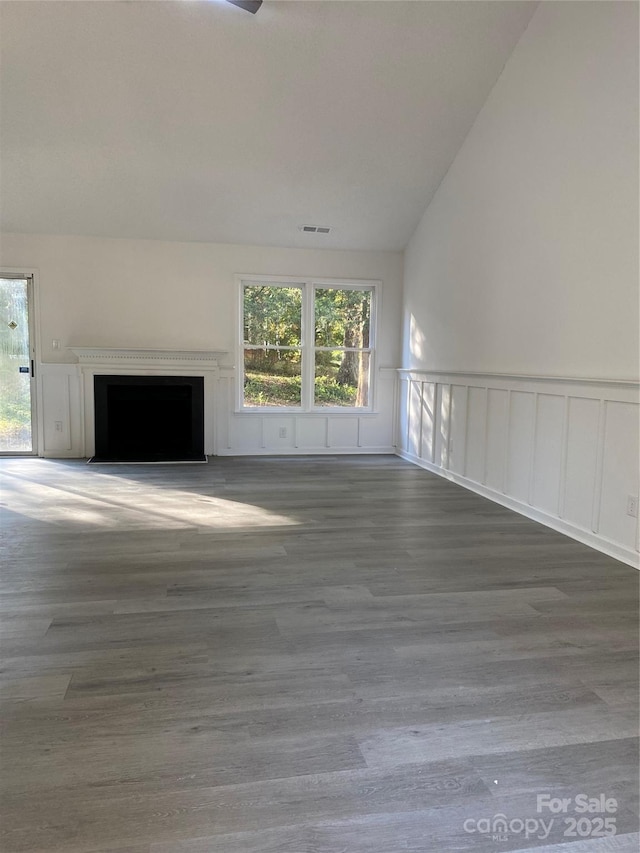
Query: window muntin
pixel 307 346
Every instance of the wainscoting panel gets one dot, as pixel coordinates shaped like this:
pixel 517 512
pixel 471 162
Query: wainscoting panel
pixel 497 426
pixel 247 432
pixel 272 433
pixel 582 453
pixel 343 432
pixel 547 453
pixel 561 451
pixel 428 432
pixel 443 416
pixel 476 434
pixel 619 473
pixel 520 444
pixel 279 433
pixel 377 431
pixel 312 432
pixel 415 424
pixel 457 432
pixel 61 415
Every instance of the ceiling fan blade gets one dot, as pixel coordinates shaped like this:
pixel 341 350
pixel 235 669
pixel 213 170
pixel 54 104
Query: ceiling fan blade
pixel 248 5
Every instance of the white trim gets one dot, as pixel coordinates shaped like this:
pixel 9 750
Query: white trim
pixel 313 451
pixel 520 377
pixel 612 549
pixel 151 357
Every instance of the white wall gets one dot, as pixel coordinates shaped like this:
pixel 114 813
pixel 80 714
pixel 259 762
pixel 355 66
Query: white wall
pixel 152 294
pixel 526 263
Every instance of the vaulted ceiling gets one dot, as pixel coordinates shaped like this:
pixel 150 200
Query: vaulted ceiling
pixel 194 120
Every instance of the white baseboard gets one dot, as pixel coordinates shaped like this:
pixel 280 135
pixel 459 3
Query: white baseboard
pixel 599 543
pixel 309 451
pixel 264 451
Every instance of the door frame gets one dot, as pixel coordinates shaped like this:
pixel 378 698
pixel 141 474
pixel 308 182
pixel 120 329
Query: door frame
pixel 37 427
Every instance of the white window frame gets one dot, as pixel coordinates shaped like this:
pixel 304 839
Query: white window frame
pixel 308 347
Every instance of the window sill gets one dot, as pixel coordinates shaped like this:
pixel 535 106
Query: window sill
pixel 281 410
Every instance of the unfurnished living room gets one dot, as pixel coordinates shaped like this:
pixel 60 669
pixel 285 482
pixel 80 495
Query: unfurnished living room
pixel 319 426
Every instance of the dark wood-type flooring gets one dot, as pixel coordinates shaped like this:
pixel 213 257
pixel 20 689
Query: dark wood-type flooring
pixel 296 655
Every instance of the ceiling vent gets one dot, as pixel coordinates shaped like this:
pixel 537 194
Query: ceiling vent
pixel 315 229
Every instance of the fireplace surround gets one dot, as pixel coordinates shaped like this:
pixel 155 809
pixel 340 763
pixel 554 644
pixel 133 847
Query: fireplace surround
pixel 95 362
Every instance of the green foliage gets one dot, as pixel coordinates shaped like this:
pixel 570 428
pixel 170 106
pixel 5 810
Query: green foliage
pixel 329 393
pixel 15 419
pixel 18 410
pixel 266 389
pixel 342 318
pixel 276 362
pixel 272 315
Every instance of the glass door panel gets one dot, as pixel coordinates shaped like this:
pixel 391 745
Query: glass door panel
pixel 16 421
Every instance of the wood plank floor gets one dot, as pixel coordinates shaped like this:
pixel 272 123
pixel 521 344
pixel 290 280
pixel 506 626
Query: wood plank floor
pixel 297 655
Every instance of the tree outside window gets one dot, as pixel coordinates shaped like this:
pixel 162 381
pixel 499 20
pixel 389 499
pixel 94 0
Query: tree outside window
pixel 306 345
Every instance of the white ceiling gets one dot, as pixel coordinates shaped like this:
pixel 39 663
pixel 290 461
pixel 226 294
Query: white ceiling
pixel 194 120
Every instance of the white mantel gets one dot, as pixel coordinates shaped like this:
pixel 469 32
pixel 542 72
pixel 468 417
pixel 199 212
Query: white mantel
pixel 136 357
pixel 94 361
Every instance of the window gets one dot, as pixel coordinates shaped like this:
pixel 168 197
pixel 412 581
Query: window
pixel 307 345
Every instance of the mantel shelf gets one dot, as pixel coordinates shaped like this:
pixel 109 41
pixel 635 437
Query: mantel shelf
pixel 139 356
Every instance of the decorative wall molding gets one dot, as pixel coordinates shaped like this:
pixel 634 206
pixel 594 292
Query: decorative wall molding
pixel 60 416
pixel 563 451
pixel 290 433
pixel 453 376
pixel 68 410
pixel 172 358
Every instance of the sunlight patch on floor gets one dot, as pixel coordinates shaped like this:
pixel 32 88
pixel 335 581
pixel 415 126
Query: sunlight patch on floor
pixel 110 502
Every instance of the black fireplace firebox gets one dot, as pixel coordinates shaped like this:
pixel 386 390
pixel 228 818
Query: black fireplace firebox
pixel 149 419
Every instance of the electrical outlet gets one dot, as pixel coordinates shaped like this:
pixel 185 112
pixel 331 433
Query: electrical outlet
pixel 55 343
pixel 58 426
pixel 632 506
pixel 283 432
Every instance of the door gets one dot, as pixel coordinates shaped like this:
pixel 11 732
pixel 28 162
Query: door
pixel 17 361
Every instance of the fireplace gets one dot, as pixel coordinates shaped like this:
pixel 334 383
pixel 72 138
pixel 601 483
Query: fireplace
pixel 135 363
pixel 149 418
